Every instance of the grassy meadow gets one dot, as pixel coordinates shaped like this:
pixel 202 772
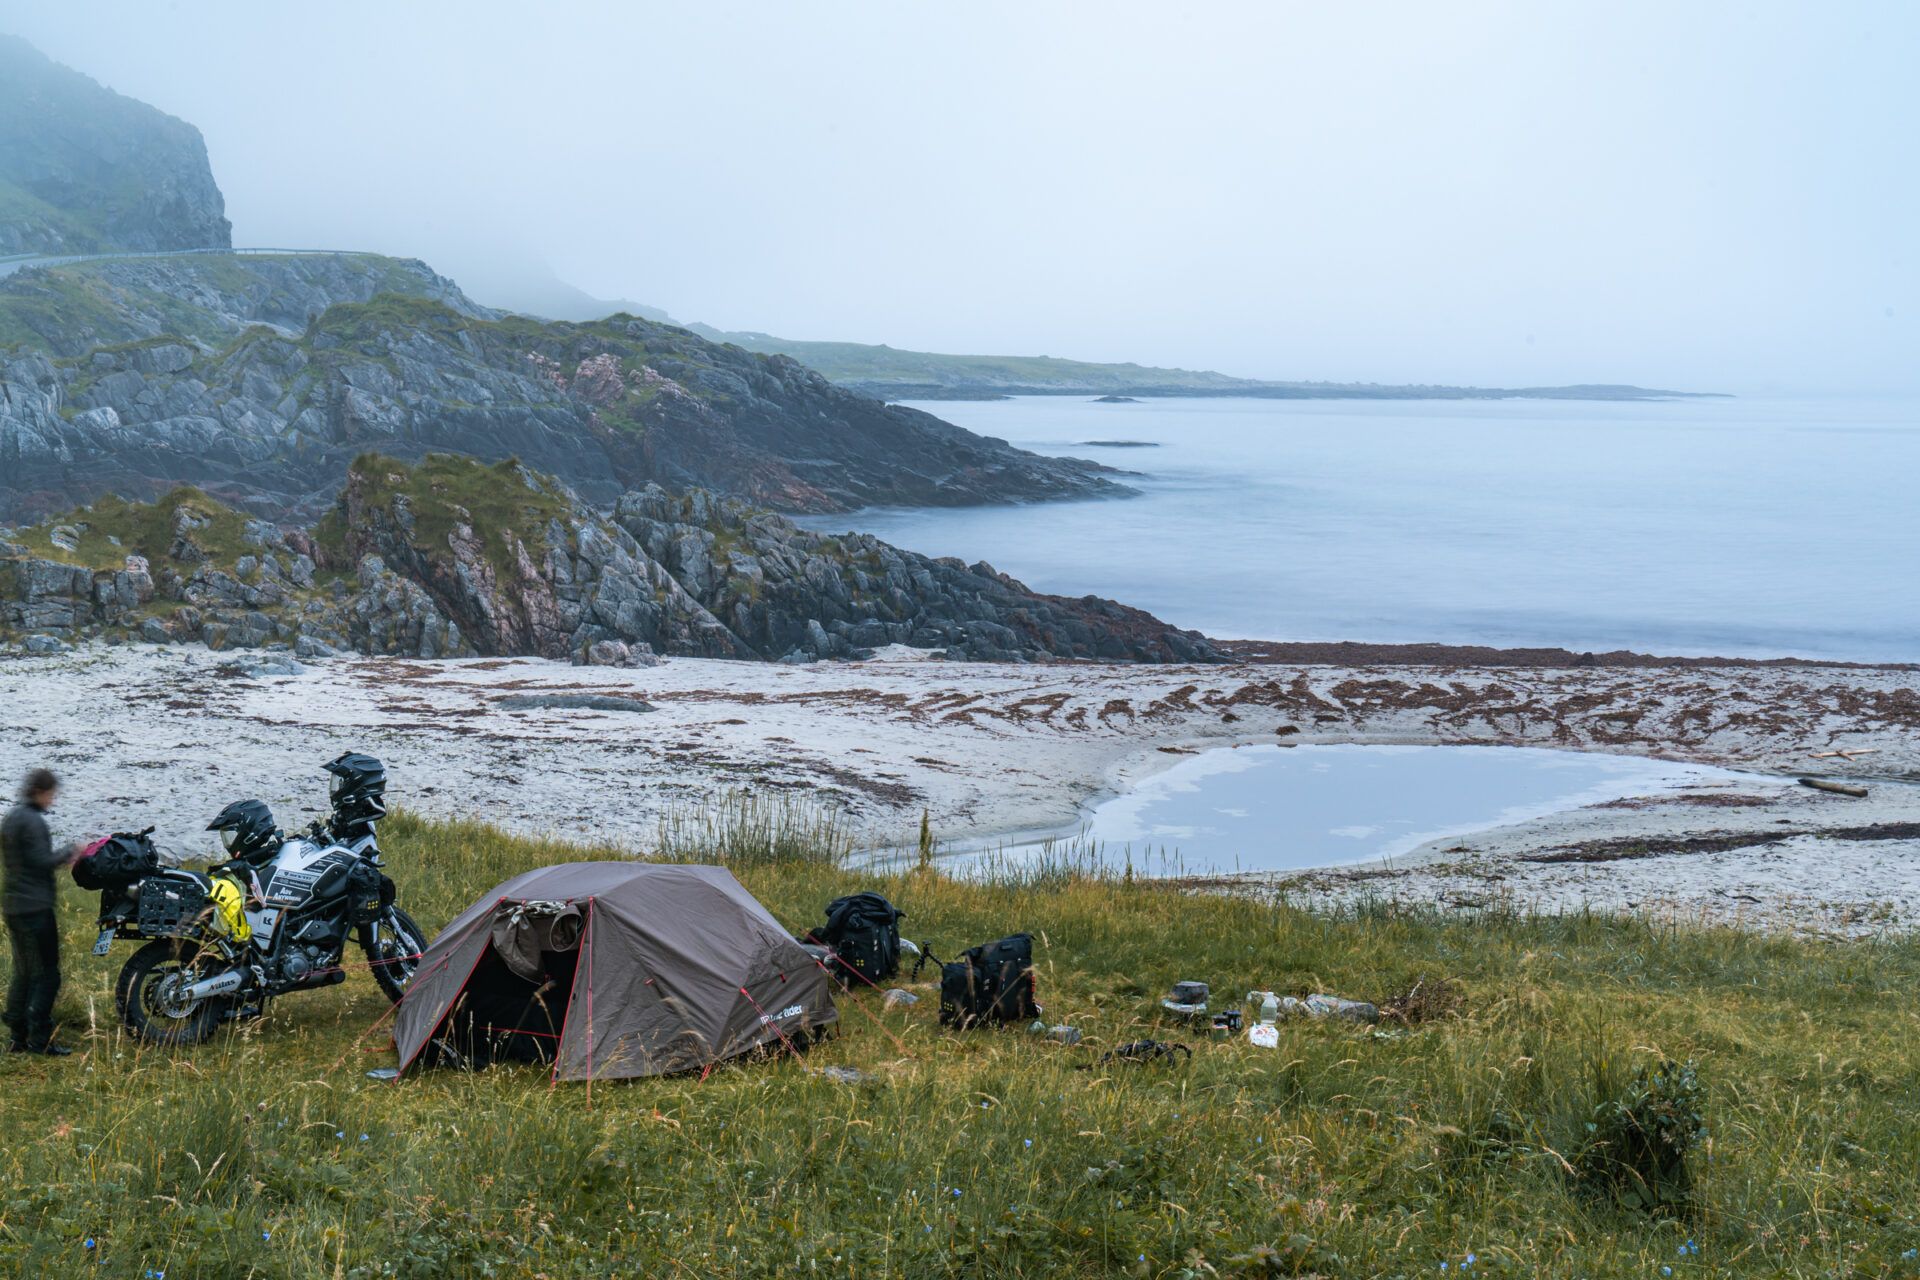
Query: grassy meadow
pixel 1456 1141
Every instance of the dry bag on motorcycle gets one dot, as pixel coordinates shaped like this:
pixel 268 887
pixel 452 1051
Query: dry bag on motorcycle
pixel 113 864
pixel 992 982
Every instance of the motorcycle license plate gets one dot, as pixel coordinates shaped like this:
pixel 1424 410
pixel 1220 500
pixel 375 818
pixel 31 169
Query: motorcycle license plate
pixel 103 942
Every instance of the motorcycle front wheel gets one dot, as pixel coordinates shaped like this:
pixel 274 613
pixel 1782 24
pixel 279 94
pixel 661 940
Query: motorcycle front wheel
pixel 144 995
pixel 396 956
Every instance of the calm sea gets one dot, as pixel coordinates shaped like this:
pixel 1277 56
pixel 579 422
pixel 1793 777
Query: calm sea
pixel 1734 527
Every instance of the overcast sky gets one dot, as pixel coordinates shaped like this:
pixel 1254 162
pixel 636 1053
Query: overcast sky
pixel 1698 195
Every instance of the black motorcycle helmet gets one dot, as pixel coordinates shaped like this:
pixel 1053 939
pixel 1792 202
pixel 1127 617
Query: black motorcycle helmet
pixel 359 789
pixel 247 830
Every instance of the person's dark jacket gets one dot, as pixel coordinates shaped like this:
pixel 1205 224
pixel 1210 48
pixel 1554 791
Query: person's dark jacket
pixel 28 860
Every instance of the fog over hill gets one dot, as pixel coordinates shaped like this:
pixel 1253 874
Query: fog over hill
pixel 86 170
pixel 1710 196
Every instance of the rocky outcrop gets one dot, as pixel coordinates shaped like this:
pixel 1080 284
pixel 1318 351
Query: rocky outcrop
pixel 792 594
pixel 85 170
pixel 537 573
pixel 452 557
pixel 269 417
pixel 181 580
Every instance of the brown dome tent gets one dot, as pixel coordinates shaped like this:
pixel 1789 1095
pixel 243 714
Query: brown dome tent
pixel 611 969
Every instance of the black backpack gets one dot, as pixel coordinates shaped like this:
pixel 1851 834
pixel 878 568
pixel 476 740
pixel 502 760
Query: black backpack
pixel 863 929
pixel 121 859
pixel 992 982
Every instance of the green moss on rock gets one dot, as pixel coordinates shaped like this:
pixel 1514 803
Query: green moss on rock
pixel 500 502
pixel 112 528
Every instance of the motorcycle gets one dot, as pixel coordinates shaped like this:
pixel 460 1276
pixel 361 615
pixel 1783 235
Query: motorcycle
pixel 273 920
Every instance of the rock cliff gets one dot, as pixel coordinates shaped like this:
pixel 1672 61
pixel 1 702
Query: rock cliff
pixel 785 592
pixel 85 170
pixel 450 556
pixel 205 302
pixel 261 378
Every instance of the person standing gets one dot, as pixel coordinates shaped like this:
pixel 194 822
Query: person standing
pixel 28 861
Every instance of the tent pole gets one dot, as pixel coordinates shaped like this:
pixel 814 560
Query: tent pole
pixel 590 906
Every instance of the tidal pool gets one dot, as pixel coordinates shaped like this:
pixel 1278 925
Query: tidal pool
pixel 1271 808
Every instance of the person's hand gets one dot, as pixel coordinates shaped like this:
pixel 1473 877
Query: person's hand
pixel 70 853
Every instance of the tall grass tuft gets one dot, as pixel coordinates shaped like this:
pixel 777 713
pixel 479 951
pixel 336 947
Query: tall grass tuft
pixel 750 828
pixel 1640 1130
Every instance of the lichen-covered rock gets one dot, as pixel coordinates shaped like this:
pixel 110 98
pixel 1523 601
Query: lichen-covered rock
pixel 795 595
pixel 390 614
pixel 452 557
pixel 617 653
pixel 520 566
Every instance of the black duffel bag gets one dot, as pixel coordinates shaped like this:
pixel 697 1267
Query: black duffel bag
pixel 992 982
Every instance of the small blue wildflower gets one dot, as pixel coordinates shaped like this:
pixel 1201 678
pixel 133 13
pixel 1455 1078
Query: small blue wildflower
pixel 1259 1139
pixel 1471 1259
pixel 88 1242
pixel 266 1235
pixel 956 1192
pixel 339 1133
pixel 1666 1271
pixel 1143 1257
pixel 1029 1141
pixel 929 1230
pixel 363 1137
pixel 1911 1253
pixel 1443 1266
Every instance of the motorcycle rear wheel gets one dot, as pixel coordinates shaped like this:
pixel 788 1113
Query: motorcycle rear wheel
pixel 140 996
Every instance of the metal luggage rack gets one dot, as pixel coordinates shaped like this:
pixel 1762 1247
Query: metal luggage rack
pixel 169 907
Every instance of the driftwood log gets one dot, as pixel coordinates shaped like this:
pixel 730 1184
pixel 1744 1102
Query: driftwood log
pixel 1838 788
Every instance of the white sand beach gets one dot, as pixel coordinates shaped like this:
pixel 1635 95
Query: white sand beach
pixel 165 736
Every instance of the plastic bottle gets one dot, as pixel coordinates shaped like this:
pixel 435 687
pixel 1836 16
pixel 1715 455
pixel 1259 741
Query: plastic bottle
pixel 1266 1012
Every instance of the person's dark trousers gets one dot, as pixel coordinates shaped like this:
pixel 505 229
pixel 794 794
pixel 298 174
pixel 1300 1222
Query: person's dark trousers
pixel 36 977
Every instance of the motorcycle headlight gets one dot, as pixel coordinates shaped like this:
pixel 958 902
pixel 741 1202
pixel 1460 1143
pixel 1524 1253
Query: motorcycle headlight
pixel 229 838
